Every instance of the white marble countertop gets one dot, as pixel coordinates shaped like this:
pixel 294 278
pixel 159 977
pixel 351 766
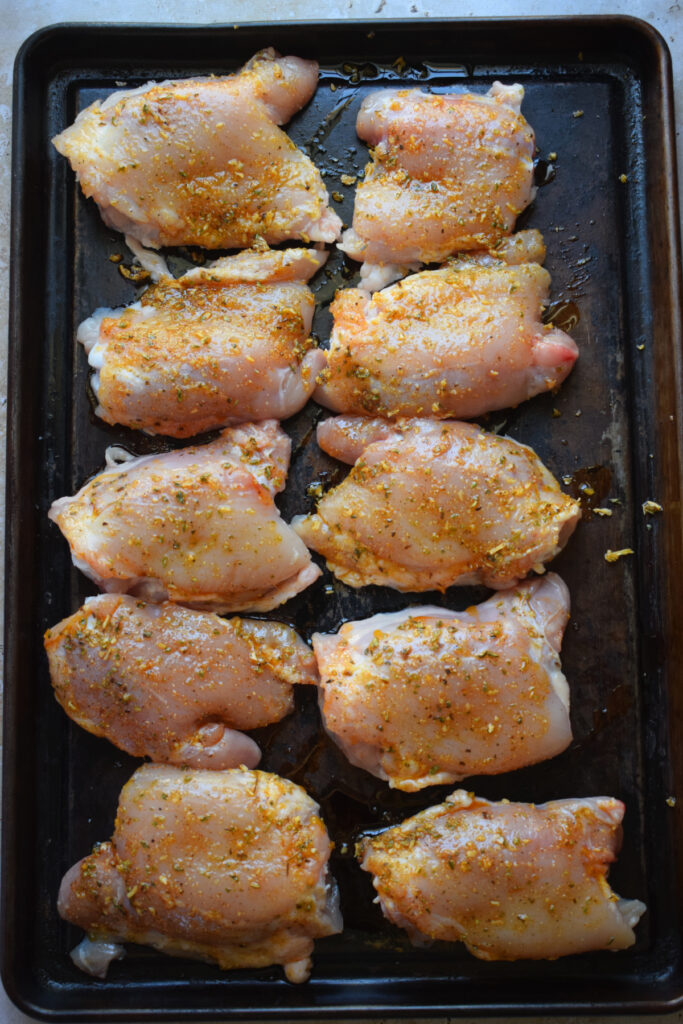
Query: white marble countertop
pixel 20 19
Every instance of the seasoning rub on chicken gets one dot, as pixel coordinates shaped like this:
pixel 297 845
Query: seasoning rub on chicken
pixel 202 161
pixel 452 343
pixel 172 684
pixel 198 525
pixel 511 880
pixel 429 696
pixel 229 867
pixel 430 504
pixel 449 172
pixel 226 343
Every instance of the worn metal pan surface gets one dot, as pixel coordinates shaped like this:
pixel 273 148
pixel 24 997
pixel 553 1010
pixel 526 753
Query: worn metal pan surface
pixel 598 93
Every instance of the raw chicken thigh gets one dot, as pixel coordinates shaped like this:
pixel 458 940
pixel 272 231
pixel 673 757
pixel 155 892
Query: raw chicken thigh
pixel 449 172
pixel 223 344
pixel 202 161
pixel 175 685
pixel 228 867
pixel 512 881
pixel 428 696
pixel 430 504
pixel 455 342
pixel 197 525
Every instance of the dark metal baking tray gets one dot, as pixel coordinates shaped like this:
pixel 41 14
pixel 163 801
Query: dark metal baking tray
pixel 598 92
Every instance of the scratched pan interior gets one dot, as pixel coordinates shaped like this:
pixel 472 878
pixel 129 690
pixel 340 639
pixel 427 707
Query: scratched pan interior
pixel 598 95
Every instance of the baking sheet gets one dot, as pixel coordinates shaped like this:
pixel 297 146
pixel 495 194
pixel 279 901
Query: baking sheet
pixel 598 94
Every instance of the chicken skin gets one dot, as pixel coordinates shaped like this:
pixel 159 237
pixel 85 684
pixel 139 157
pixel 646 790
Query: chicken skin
pixel 451 343
pixel 222 344
pixel 198 525
pixel 175 685
pixel 512 881
pixel 228 867
pixel 430 504
pixel 449 172
pixel 428 696
pixel 203 161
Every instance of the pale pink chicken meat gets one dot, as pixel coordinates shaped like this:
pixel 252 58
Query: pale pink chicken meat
pixel 452 343
pixel 430 504
pixel 428 696
pixel 203 161
pixel 229 867
pixel 222 344
pixel 449 172
pixel 172 684
pixel 511 880
pixel 198 525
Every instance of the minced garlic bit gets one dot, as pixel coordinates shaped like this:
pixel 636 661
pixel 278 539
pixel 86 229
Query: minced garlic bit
pixel 623 178
pixel 671 801
pixel 602 511
pixel 134 272
pixel 651 507
pixel 338 197
pixel 578 113
pixel 348 179
pixel 556 413
pixel 613 556
pixel 552 157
